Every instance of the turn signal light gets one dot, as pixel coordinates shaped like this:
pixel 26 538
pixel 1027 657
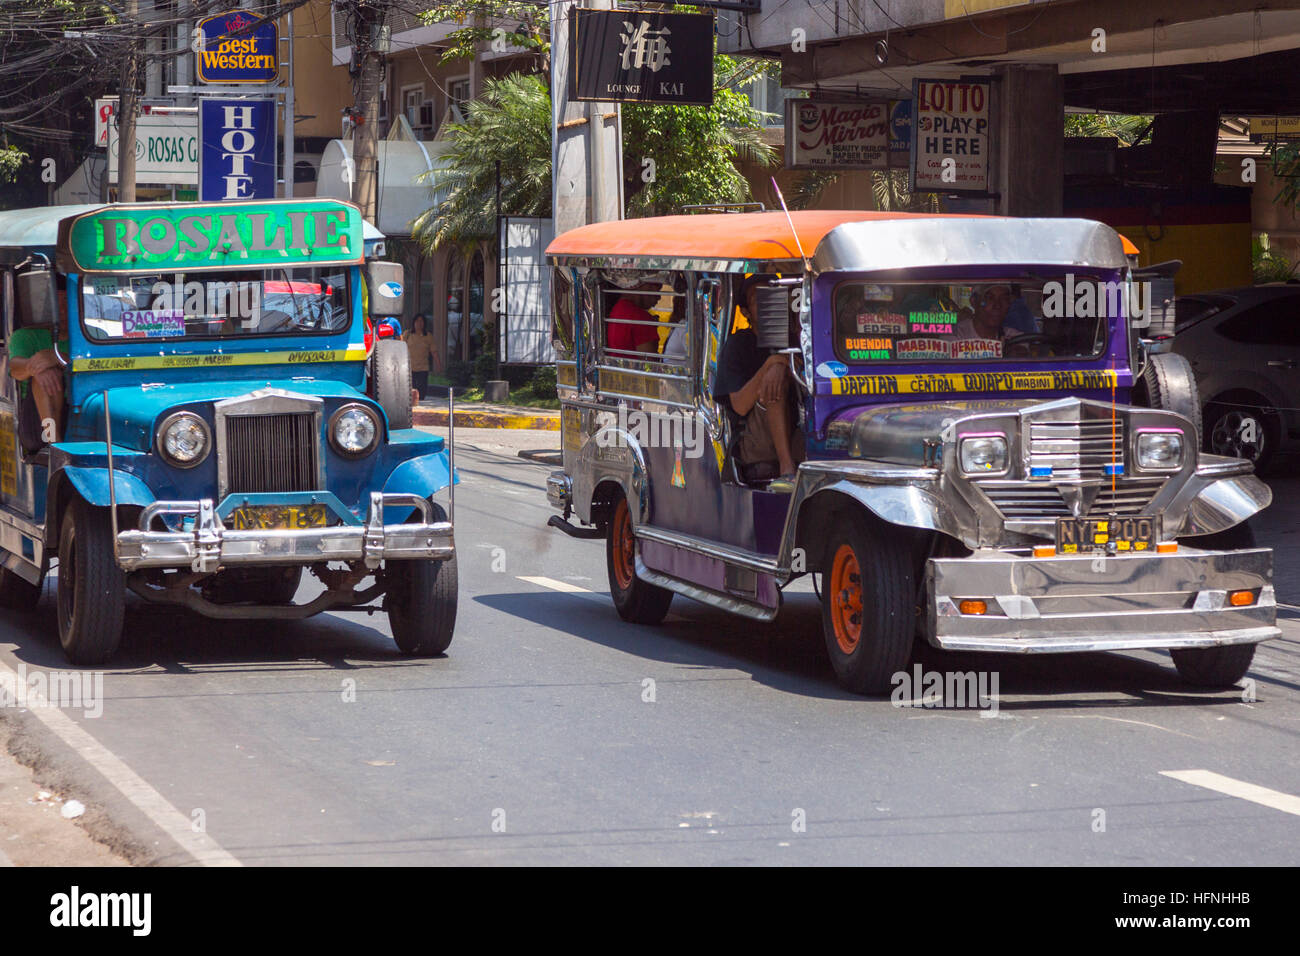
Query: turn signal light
pixel 1166 547
pixel 1241 598
pixel 973 607
pixel 1044 551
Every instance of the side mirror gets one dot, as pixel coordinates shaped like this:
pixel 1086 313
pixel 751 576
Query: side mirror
pixel 384 288
pixel 37 306
pixel 772 324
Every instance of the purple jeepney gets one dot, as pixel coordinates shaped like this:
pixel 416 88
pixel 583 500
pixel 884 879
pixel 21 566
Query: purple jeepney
pixel 991 459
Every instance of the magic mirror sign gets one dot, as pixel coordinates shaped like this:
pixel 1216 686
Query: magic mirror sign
pixel 636 56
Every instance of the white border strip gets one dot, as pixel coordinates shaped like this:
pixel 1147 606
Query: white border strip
pixel 205 850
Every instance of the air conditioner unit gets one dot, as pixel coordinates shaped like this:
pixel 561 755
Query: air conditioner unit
pixel 426 114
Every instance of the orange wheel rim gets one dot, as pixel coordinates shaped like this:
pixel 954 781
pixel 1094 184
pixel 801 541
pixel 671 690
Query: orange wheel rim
pixel 624 547
pixel 846 599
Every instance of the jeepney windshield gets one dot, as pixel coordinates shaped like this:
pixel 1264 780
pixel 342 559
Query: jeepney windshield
pixel 1039 318
pixel 226 304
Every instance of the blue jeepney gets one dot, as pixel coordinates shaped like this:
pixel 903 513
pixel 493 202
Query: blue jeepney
pixel 219 363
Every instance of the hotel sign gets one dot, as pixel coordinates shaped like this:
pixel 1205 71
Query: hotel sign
pixel 237 47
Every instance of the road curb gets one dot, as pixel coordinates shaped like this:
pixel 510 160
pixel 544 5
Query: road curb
pixel 476 419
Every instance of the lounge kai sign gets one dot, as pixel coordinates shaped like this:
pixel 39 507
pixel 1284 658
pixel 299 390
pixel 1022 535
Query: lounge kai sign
pixel 636 56
pixel 836 134
pixel 189 236
pixel 950 136
pixel 236 47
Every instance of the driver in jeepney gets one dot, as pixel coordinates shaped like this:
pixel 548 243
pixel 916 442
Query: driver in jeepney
pixel 36 368
pixel 758 390
pixel 987 316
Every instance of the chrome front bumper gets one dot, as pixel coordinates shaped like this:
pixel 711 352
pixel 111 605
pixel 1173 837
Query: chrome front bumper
pixel 559 490
pixel 211 546
pixel 1100 603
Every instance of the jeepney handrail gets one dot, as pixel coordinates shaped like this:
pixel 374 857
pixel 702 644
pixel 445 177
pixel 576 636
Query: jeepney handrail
pixel 648 374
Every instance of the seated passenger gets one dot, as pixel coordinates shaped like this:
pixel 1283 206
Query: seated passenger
pixel 757 389
pixel 625 336
pixel 675 347
pixel 986 319
pixel 32 363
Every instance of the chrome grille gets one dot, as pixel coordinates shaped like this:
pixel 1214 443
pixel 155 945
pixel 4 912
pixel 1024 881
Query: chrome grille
pixel 271 452
pixel 1076 449
pixel 1028 501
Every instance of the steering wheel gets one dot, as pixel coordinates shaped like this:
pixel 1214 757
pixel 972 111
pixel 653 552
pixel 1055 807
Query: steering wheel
pixel 1028 342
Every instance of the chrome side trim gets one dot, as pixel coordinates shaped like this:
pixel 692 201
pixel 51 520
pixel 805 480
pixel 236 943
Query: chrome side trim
pixel 739 557
pixel 725 602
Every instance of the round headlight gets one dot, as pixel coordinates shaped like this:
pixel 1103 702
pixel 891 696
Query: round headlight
pixel 183 439
pixel 983 455
pixel 354 430
pixel 1160 451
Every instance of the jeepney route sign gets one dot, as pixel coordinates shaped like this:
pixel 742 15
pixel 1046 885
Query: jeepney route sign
pixel 935 383
pixel 132 239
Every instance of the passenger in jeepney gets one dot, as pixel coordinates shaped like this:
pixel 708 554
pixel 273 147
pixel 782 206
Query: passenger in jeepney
pixel 758 390
pixel 33 364
pixel 626 336
pixel 675 346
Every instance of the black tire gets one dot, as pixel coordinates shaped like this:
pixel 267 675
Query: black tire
pixel 421 602
pixel 868 569
pixel 637 601
pixel 392 381
pixel 1169 384
pixel 1218 666
pixel 1228 425
pixel 17 593
pixel 1237 538
pixel 1214 666
pixel 91 589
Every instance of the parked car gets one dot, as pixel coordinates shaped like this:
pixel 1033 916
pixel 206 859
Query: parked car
pixel 1244 348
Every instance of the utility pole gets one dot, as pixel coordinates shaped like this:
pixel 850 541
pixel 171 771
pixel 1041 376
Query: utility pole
pixel 369 45
pixel 127 105
pixel 586 140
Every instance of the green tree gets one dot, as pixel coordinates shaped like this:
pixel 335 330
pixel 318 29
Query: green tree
pixel 1130 130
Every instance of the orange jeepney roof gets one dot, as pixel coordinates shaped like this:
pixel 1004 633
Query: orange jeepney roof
pixel 750 235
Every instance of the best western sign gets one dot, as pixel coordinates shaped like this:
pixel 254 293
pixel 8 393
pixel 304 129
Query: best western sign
pixel 237 47
pixel 134 239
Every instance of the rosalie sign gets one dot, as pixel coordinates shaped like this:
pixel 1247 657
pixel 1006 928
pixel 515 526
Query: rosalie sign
pixel 636 56
pixel 237 160
pixel 191 236
pixel 237 47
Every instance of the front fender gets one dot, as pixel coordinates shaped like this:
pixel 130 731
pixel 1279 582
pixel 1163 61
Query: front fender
pixel 92 484
pixel 612 454
pixel 423 476
pixel 1226 502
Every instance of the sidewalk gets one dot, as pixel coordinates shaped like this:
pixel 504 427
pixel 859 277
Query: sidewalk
pixel 480 415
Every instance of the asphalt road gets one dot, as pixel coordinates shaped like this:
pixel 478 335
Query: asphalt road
pixel 553 733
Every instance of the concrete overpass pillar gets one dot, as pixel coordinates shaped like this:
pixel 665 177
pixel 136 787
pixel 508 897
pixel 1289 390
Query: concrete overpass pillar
pixel 1029 151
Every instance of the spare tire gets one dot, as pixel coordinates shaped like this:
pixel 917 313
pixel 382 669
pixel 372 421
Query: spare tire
pixel 391 381
pixel 1167 382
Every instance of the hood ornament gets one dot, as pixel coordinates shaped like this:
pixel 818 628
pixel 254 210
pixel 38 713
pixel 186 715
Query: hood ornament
pixel 1079 498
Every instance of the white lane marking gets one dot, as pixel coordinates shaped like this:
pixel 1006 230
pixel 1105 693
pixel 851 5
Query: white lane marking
pixel 555 585
pixel 205 850
pixel 1237 788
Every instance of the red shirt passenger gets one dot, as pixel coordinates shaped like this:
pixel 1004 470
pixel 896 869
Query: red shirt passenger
pixel 626 337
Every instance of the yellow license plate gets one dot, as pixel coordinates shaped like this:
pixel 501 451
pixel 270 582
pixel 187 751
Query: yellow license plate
pixel 275 517
pixel 1128 535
